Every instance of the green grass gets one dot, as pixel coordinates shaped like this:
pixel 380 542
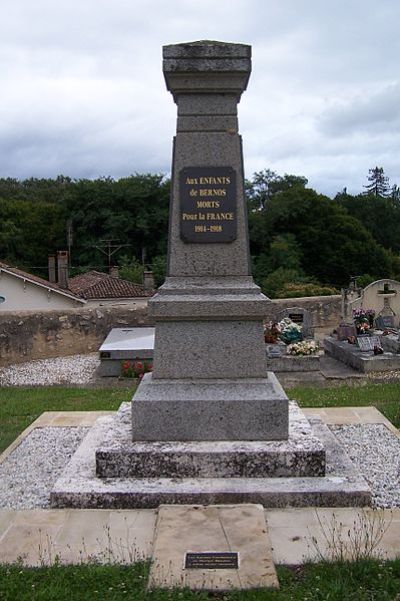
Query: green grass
pixel 19 407
pixel 360 581
pixel 385 397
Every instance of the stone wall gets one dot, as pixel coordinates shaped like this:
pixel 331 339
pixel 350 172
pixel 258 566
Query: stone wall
pixel 34 335
pixel 325 310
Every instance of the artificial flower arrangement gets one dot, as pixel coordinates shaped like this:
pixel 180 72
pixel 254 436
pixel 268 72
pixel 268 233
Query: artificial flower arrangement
pixel 363 319
pixel 135 369
pixel 304 347
pixel 272 332
pixel 290 331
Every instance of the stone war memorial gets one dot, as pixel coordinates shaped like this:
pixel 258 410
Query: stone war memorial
pixel 209 425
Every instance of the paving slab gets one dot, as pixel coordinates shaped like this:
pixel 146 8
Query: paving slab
pixel 301 535
pixel 201 529
pixel 39 537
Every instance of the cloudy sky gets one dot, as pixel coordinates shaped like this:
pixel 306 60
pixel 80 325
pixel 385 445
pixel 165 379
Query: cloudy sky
pixel 82 92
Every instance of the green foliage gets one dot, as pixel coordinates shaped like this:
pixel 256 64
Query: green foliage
pixel 159 267
pixel 273 285
pixel 333 245
pixel 364 280
pixel 130 269
pixel 379 215
pixel 34 214
pixel 378 183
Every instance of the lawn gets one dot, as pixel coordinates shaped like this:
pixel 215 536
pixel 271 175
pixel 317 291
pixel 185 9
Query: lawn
pixel 19 407
pixel 385 397
pixel 359 581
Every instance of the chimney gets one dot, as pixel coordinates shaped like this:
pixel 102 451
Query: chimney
pixel 62 265
pixel 148 281
pixel 114 271
pixel 52 269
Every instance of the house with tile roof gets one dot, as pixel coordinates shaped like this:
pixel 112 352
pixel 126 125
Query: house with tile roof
pixel 100 289
pixel 22 291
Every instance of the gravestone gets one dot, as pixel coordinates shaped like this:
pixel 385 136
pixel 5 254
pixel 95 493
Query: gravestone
pixel 209 379
pixel 300 316
pixel 383 296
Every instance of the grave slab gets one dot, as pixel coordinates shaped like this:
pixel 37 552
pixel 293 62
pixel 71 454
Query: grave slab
pixel 240 530
pixel 363 361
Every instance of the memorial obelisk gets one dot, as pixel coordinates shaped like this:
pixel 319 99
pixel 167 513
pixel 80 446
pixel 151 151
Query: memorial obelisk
pixel 209 379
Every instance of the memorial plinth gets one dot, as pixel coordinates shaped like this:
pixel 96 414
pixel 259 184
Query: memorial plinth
pixel 209 374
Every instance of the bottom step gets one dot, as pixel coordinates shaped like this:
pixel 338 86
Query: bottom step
pixel 79 487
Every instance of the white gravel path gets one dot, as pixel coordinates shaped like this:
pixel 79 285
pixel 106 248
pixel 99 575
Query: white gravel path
pixel 30 471
pixel 375 451
pixel 76 369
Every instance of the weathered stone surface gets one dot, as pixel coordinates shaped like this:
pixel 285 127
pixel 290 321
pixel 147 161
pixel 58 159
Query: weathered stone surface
pixel 364 361
pixel 297 363
pixel 78 485
pixel 242 530
pixel 301 455
pixel 214 409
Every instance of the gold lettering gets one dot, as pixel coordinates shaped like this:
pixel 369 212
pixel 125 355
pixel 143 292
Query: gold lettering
pixel 189 216
pixel 213 192
pixel 220 217
pixel 215 180
pixel 208 204
pixel 191 181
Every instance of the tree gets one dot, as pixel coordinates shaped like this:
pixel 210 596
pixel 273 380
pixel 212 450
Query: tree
pixel 379 184
pixel 266 184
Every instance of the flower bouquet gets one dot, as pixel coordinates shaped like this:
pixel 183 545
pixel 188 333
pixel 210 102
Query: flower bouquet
pixel 135 369
pixel 290 331
pixel 303 348
pixel 271 332
pixel 363 320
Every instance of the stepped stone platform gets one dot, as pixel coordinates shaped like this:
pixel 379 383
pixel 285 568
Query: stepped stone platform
pixel 237 479
pixel 363 361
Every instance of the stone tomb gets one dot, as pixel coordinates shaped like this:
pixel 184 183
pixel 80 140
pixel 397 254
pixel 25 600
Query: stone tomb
pixel 125 344
pixel 210 424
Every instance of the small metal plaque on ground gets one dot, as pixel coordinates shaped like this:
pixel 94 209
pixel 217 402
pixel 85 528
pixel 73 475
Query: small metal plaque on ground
pixel 212 561
pixel 185 534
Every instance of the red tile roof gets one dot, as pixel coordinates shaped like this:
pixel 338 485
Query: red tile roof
pixel 98 285
pixel 38 280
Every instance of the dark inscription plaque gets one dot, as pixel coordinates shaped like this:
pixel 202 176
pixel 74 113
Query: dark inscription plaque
pixel 208 204
pixel 212 561
pixel 385 321
pixel 297 317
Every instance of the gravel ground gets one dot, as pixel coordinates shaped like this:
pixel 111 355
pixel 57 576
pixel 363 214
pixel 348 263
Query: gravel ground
pixel 376 453
pixel 29 472
pixel 77 369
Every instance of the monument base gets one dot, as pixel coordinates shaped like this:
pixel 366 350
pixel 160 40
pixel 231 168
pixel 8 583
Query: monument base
pixel 301 455
pixel 215 409
pixel 80 487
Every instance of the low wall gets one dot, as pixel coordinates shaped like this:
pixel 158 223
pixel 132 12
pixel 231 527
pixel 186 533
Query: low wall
pixel 325 310
pixel 33 335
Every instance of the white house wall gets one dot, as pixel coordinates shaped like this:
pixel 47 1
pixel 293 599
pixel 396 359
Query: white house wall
pixel 22 295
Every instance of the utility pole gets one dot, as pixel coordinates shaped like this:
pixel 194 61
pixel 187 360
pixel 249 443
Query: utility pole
pixel 109 249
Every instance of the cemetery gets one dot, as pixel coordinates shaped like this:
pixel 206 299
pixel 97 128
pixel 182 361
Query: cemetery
pixel 212 462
